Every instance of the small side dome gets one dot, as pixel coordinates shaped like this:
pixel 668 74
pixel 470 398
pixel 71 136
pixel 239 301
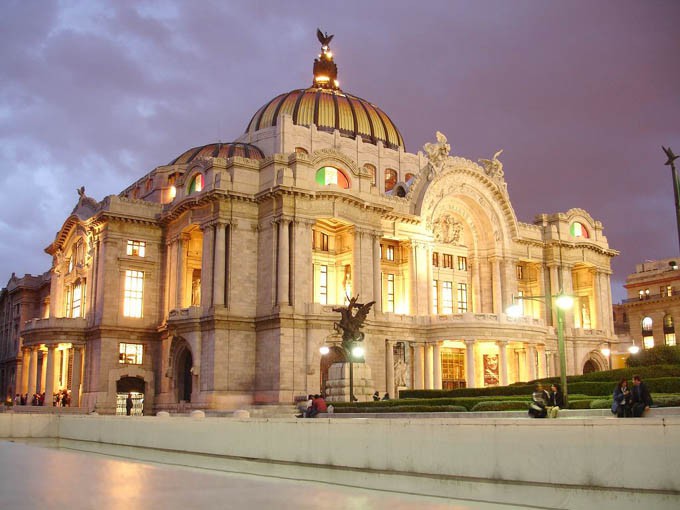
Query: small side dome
pixel 219 150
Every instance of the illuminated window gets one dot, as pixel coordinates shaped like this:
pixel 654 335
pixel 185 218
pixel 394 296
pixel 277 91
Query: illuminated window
pixel 647 337
pixel 448 260
pixel 196 184
pixel 323 285
pixel 390 253
pixel 390 179
pixel 136 248
pixel 130 353
pixel 390 293
pixel 330 175
pixel 435 259
pixel 70 264
pixel 301 150
pixel 648 342
pixel 447 298
pixel 462 263
pixel 435 291
pixel 462 298
pixel 520 273
pixel 132 297
pixel 578 230
pixel 647 325
pixel 172 192
pixel 668 329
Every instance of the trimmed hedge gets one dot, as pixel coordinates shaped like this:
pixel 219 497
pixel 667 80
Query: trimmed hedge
pixel 645 372
pixel 580 404
pixel 501 405
pixel 661 354
pixel 601 403
pixel 402 409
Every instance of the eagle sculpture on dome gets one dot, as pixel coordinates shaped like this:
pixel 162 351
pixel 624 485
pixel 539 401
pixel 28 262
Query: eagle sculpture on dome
pixel 324 38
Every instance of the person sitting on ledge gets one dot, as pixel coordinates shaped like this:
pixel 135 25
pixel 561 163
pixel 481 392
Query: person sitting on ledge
pixel 540 399
pixel 386 396
pixel 642 400
pixel 376 396
pixel 318 406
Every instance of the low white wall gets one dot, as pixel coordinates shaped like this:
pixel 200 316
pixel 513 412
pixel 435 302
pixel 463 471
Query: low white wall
pixel 610 453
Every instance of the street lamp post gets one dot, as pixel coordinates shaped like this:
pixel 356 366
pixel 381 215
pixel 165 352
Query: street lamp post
pixel 563 302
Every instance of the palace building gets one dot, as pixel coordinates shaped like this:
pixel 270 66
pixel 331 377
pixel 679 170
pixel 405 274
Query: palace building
pixel 210 282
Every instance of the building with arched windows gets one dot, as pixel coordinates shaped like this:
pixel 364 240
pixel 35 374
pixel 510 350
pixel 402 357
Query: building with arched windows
pixel 653 302
pixel 210 282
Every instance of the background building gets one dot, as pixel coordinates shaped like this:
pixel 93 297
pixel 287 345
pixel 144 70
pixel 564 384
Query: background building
pixel 653 302
pixel 211 281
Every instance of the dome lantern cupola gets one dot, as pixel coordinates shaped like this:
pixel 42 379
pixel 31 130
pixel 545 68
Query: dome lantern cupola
pixel 325 70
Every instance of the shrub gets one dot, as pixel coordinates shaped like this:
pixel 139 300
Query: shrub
pixel 666 400
pixel 579 404
pixel 659 355
pixel 402 409
pixel 501 405
pixel 601 403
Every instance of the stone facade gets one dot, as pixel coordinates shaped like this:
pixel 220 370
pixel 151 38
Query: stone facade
pixel 210 282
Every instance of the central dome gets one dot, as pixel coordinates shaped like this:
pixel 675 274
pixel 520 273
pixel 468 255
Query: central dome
pixel 328 107
pixel 330 110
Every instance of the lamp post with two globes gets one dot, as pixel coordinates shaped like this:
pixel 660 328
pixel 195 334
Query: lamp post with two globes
pixel 352 352
pixel 563 302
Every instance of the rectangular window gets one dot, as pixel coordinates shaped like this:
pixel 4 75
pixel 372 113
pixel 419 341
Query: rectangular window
pixel 435 291
pixel 435 259
pixel 390 293
pixel 323 285
pixel 520 273
pixel 77 300
pixel 462 263
pixel 390 253
pixel 648 341
pixel 136 248
pixel 69 292
pixel 133 293
pixel 670 338
pixel 447 298
pixel 462 298
pixel 448 260
pixel 130 353
pixel 324 242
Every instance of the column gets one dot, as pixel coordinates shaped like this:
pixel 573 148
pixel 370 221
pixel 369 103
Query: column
pixel 597 319
pixel 418 366
pixel 283 271
pixel 437 365
pixel 477 287
pixel 610 316
pixel 531 361
pixel 389 369
pixel 64 367
pixel 413 281
pixel 470 364
pixel 377 282
pixel 43 373
pixel 169 251
pixel 25 360
pixel 207 263
pixel 75 378
pixel 357 283
pixel 179 271
pixel 430 277
pixel 219 269
pixel 540 349
pixel 503 361
pixel 496 282
pixel 32 372
pixel 49 374
pixel 427 350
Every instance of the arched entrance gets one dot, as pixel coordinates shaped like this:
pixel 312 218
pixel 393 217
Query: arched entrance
pixel 135 387
pixel 184 376
pixel 335 355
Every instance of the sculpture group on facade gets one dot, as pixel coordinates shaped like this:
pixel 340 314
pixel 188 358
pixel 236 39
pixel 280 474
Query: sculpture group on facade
pixel 352 319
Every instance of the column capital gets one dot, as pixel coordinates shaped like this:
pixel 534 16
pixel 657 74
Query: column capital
pixel 502 343
pixel 469 341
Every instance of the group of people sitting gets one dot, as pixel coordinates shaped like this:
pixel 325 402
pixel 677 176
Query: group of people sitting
pixel 628 403
pixel 314 405
pixel 631 403
pixel 546 404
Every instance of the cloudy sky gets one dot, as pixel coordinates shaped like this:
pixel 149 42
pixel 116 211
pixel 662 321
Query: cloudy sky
pixel 580 95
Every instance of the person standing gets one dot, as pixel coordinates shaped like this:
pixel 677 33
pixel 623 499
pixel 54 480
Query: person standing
pixel 128 404
pixel 642 400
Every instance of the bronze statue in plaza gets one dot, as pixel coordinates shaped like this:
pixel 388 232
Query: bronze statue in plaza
pixel 352 319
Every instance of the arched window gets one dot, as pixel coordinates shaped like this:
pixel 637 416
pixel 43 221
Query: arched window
pixel 647 337
pixel 578 229
pixel 301 150
pixel 668 329
pixel 330 175
pixel 196 184
pixel 390 179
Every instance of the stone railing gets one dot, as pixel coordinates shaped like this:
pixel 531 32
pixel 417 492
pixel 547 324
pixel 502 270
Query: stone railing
pixel 54 323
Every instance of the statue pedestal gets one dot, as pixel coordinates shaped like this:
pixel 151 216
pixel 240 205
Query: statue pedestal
pixel 337 386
